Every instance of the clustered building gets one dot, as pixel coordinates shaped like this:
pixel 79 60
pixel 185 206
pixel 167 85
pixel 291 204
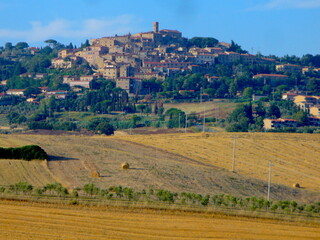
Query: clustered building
pixel 310 104
pixel 129 59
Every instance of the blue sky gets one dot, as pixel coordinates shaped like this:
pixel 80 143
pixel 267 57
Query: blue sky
pixel 276 27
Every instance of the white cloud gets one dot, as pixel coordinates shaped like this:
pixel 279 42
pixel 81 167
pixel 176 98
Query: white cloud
pixel 287 4
pixel 62 28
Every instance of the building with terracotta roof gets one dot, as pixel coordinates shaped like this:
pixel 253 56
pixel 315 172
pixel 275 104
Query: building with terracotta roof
pixel 315 110
pixel 279 123
pixel 290 68
pixel 271 79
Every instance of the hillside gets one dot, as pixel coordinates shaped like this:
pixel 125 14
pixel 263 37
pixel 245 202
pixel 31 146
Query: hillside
pixel 218 108
pixel 178 162
pixel 294 156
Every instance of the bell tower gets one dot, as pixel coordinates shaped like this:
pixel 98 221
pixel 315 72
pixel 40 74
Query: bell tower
pixel 156 27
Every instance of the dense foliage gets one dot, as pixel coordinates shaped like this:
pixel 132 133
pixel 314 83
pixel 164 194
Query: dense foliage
pixel 232 81
pixel 26 153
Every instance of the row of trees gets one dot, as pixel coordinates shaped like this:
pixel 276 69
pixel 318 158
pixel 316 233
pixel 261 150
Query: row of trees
pixel 184 198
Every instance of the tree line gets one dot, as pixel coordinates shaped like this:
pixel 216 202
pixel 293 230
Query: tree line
pixel 218 201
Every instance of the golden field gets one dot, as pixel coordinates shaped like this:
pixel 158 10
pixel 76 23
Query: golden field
pixel 199 163
pixel 295 157
pixel 218 108
pixel 21 220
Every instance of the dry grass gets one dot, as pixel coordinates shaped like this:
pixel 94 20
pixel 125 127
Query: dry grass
pixel 198 163
pixel 295 156
pixel 217 108
pixel 45 221
pixel 33 172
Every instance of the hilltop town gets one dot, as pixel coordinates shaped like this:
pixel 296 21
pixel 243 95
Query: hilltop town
pixel 137 73
pixel 158 54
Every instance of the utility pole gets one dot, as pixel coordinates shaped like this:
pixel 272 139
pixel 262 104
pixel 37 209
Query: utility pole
pixel 204 118
pixel 179 120
pixel 234 153
pixel 185 130
pixel 269 181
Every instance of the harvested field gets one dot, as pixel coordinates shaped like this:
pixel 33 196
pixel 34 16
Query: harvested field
pixel 22 220
pixel 197 163
pixel 33 172
pixel 218 108
pixel 295 156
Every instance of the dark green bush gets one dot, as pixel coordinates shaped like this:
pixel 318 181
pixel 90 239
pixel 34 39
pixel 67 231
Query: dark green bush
pixel 28 153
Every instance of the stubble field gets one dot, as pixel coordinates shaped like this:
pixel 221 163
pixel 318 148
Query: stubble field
pixel 44 221
pixel 295 157
pixel 179 162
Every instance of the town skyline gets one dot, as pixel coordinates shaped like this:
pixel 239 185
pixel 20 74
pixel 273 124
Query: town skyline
pixel 272 27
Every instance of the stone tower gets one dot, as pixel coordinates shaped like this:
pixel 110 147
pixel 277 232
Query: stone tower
pixel 155 27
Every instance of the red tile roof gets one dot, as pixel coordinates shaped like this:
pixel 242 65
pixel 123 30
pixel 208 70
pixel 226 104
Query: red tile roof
pixel 270 75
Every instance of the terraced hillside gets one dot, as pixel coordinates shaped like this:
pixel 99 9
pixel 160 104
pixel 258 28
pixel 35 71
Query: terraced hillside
pixel 198 163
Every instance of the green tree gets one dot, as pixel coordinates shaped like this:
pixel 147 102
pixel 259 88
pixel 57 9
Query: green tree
pixel 8 46
pixel 247 93
pixel 91 189
pixel 105 128
pixel 202 42
pixel 32 91
pixel 236 48
pixel 301 116
pixel 21 45
pixel 273 111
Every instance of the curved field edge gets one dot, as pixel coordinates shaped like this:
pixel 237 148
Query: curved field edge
pixel 51 221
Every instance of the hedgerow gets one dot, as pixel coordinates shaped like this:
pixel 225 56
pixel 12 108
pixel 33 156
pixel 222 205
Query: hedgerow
pixel 220 201
pixel 28 153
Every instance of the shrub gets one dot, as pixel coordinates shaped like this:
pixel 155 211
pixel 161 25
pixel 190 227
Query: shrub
pixel 91 189
pixel 28 153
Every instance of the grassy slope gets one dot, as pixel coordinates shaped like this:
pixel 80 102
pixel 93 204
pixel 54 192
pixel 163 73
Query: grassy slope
pixel 218 108
pixel 295 156
pixel 182 162
pixel 13 171
pixel 44 221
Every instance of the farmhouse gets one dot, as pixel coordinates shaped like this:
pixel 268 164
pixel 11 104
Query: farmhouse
pixel 279 123
pixel 290 68
pixel 315 110
pixel 271 79
pixel 58 94
pixel 16 92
